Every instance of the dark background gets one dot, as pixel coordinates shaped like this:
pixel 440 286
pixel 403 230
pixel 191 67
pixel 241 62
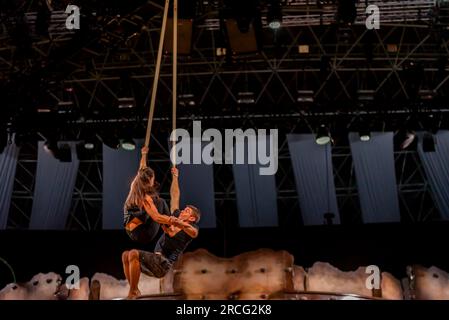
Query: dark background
pixel 390 246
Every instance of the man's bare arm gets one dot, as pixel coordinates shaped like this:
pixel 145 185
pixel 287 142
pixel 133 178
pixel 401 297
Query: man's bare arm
pixel 151 210
pixel 175 194
pixel 190 230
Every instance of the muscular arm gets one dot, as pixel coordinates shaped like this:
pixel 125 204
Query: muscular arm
pixel 151 210
pixel 190 230
pixel 174 190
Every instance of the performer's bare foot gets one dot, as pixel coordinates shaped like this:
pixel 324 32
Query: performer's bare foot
pixel 134 295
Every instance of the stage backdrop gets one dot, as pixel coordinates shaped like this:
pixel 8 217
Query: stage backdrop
pixel 436 167
pixel 376 177
pixel 196 183
pixel 312 166
pixel 256 194
pixel 8 163
pixel 53 189
pixel 119 168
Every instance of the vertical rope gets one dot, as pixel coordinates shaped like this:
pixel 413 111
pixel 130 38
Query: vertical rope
pixel 156 74
pixel 175 75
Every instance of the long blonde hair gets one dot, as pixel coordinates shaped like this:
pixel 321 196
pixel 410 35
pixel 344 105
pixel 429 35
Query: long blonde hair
pixel 141 187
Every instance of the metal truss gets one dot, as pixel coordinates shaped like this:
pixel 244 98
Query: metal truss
pixel 115 57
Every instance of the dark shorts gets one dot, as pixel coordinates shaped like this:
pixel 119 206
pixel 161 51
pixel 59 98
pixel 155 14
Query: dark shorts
pixel 144 233
pixel 154 265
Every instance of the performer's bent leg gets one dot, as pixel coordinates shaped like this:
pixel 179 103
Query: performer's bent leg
pixel 134 273
pixel 154 265
pixel 125 262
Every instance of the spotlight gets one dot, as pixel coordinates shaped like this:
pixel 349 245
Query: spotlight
pixel 220 52
pixel 246 97
pixel 426 94
pixel 303 49
pixel 305 96
pixel 65 107
pixel 88 139
pixel 323 136
pixel 428 142
pixel 128 144
pixel 187 99
pixel 126 103
pixel 365 135
pixel 365 95
pixel 89 144
pixel 274 15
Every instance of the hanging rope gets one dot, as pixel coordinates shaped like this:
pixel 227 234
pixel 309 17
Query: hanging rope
pixel 156 74
pixel 175 75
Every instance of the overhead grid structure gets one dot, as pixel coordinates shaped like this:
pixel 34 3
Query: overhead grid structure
pixel 321 65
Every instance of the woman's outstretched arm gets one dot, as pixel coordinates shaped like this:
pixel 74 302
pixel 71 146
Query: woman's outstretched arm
pixel 143 158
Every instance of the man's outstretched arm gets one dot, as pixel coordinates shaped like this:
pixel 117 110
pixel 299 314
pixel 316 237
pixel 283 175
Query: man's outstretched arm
pixel 175 194
pixel 189 229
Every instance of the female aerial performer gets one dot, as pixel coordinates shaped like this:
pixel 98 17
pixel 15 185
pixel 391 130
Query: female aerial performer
pixel 142 217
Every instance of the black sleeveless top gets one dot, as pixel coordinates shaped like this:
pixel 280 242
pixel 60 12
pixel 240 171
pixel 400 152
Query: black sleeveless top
pixel 149 228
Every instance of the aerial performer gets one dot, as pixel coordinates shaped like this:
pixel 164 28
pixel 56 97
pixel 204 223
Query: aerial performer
pixel 169 247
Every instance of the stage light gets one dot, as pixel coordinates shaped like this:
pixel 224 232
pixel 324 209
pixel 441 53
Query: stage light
pixel 220 52
pixel 365 95
pixel 305 96
pixel 303 49
pixel 392 48
pixel 246 97
pixel 89 143
pixel 187 99
pixel 128 144
pixel 126 103
pixel 428 142
pixel 65 107
pixel 274 15
pixel 323 136
pixel 426 95
pixel 365 135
